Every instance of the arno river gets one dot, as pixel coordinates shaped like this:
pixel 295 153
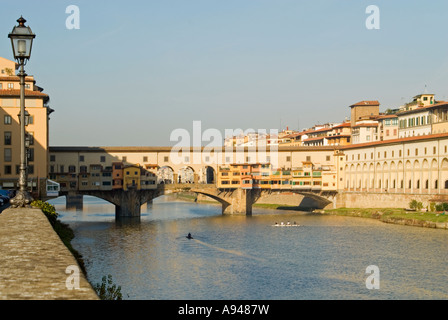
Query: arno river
pixel 239 257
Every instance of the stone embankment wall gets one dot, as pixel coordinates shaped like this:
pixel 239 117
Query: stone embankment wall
pixel 417 223
pixel 34 260
pixel 380 200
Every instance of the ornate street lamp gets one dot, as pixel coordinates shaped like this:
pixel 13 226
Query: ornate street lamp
pixel 22 42
pixel 27 118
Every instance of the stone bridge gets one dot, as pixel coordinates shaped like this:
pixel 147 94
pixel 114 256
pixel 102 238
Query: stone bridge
pixel 234 201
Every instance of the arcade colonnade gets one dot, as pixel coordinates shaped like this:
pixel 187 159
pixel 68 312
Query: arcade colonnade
pixel 411 165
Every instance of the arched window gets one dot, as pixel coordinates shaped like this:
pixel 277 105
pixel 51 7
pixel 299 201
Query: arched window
pixel 427 184
pixel 410 184
pixel 418 184
pixel 436 184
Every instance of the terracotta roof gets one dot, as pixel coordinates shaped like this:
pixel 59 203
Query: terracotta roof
pixel 313 139
pixel 319 130
pixel 292 135
pixel 366 125
pixel 339 136
pixel 392 141
pixel 343 125
pixel 386 116
pixel 306 131
pixel 16 93
pixel 418 109
pixel 15 78
pixel 366 103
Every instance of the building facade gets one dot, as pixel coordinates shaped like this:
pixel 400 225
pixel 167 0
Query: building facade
pixel 363 109
pixel 37 130
pixel 388 127
pixel 413 165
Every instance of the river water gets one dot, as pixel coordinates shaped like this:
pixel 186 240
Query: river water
pixel 239 257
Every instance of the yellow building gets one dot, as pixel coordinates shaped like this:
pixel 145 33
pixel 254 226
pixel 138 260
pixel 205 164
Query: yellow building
pixel 340 135
pixel 439 119
pixel 36 103
pixel 131 177
pixel 229 176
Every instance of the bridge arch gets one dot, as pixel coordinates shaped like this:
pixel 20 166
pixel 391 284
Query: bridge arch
pixel 417 174
pixel 210 175
pixel 347 177
pixel 393 175
pixel 320 201
pixel 379 174
pixel 434 181
pixel 444 173
pixel 165 175
pixel 408 175
pixel 400 175
pixel 358 176
pixel 223 202
pixel 186 174
pixel 353 177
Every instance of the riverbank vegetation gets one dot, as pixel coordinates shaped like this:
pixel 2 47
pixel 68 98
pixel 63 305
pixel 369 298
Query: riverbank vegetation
pixel 63 230
pixel 106 290
pixel 396 216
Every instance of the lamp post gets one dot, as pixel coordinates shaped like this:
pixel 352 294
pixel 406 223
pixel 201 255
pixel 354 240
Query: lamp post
pixel 22 41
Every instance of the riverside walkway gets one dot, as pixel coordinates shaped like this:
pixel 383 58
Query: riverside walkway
pixel 34 260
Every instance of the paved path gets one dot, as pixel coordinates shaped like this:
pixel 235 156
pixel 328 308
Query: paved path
pixel 33 260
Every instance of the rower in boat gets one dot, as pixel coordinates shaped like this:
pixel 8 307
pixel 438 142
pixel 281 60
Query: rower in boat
pixel 189 236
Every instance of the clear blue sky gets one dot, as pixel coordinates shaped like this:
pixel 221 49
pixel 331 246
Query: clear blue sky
pixel 137 70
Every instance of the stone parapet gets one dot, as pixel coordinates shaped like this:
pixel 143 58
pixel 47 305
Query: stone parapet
pixel 34 260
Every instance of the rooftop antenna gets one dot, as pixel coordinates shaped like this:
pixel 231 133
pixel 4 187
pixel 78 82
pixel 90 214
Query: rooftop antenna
pixel 426 89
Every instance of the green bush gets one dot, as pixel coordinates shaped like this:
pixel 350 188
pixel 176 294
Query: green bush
pixel 441 207
pixel 432 207
pixel 414 204
pixel 107 290
pixel 48 209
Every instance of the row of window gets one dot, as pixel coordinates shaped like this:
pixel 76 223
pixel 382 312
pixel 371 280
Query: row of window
pixel 274 182
pixel 284 173
pixel 387 134
pixel 7 138
pixel 415 153
pixel 104 183
pixel 186 159
pixel 10 85
pixel 391 122
pixel 414 122
pixel 8 119
pixel 7 154
pixel 400 186
pixel 102 158
pixel 8 169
